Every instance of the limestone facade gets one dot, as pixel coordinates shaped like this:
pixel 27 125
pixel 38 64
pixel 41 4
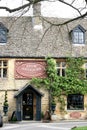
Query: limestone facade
pixel 25 41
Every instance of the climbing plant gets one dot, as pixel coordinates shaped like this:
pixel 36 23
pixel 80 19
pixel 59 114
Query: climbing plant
pixel 73 82
pixel 50 82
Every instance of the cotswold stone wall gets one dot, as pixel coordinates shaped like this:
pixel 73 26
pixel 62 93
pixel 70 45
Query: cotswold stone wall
pixel 25 40
pixel 12 85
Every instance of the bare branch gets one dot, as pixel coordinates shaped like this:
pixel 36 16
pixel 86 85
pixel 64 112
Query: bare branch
pixel 72 2
pixel 15 9
pixel 46 31
pixel 70 6
pixel 66 22
pixel 86 1
pixel 33 2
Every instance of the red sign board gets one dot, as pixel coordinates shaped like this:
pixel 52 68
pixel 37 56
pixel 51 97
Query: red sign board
pixel 30 69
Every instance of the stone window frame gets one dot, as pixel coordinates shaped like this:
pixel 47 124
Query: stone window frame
pixel 75 102
pixel 3 69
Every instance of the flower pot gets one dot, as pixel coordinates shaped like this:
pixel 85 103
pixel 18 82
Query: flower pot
pixel 53 106
pixel 5 109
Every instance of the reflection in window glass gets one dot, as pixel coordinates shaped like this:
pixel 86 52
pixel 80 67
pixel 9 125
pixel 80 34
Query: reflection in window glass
pixel 75 102
pixel 75 37
pixel 4 63
pixel 5 72
pixel 81 37
pixel 3 37
pixel 78 37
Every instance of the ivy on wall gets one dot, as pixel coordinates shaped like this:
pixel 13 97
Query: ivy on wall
pixel 73 83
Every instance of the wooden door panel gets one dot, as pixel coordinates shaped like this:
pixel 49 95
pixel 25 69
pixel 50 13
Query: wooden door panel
pixel 28 106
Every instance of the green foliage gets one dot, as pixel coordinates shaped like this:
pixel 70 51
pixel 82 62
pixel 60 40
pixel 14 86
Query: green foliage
pixel 5 99
pixel 74 68
pixel 80 128
pixel 75 77
pixel 14 119
pixel 42 115
pixel 73 82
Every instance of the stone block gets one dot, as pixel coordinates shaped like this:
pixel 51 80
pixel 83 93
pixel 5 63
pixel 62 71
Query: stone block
pixel 5 119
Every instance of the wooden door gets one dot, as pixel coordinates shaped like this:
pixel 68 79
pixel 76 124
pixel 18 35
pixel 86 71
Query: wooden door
pixel 28 106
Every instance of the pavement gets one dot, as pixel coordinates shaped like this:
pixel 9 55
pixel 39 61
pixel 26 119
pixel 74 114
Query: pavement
pixel 58 121
pixel 53 125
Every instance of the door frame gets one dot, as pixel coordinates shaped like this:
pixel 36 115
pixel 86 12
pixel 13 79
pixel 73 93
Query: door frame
pixel 19 101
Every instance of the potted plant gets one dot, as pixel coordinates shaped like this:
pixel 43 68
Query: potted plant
pixel 53 106
pixel 5 105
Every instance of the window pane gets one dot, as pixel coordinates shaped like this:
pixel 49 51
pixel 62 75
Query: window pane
pixel 63 72
pixel 2 36
pixel 61 68
pixel 5 73
pixel 86 70
pixel 4 63
pixel 0 72
pixel 75 102
pixel 78 37
pixel 58 72
pixel 86 73
pixel 0 63
pixel 3 69
pixel 81 39
pixel 58 64
pixel 85 65
pixel 75 37
pixel 63 64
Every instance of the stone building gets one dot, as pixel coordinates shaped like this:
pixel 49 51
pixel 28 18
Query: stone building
pixel 24 44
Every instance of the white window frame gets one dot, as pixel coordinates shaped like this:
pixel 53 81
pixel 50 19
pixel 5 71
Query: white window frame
pixel 78 35
pixel 2 67
pixel 61 67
